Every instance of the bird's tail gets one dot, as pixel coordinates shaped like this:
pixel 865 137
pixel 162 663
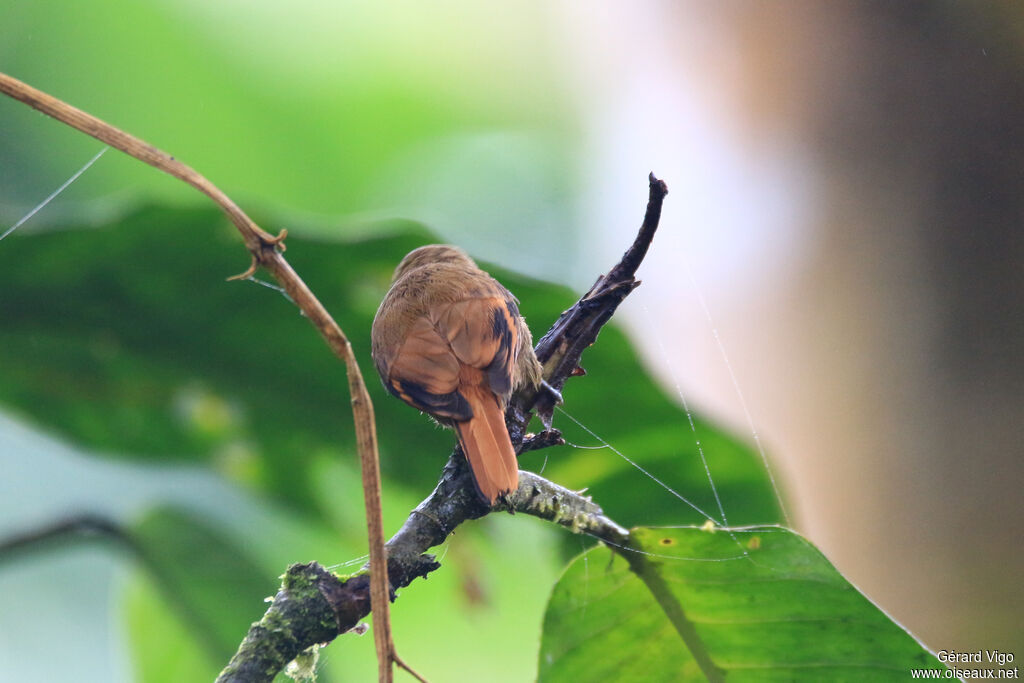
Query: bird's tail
pixel 487 445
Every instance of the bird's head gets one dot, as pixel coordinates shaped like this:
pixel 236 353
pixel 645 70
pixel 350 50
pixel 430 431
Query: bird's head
pixel 429 255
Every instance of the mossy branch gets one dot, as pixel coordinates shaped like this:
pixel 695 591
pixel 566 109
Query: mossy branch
pixel 313 606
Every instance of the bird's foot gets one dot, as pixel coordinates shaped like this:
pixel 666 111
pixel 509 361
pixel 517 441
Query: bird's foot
pixel 555 394
pixel 546 438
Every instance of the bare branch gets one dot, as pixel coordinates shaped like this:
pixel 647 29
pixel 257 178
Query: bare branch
pixel 560 350
pixel 314 606
pixel 85 526
pixel 454 499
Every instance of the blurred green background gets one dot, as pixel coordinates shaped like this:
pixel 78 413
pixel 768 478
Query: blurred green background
pixel 844 201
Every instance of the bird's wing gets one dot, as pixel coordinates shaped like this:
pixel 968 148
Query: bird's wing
pixel 424 372
pixel 482 334
pixel 439 348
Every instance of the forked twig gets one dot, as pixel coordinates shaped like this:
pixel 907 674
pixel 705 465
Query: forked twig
pixel 266 251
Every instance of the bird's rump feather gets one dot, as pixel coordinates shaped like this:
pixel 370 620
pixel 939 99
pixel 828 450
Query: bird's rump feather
pixel 487 446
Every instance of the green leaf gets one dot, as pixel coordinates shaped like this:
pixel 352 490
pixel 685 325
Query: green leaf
pixel 749 604
pixel 126 339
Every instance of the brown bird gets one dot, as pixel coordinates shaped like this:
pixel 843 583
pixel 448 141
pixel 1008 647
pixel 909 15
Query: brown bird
pixel 448 339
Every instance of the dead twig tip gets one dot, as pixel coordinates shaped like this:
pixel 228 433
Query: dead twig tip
pixel 279 240
pixel 657 185
pixel 249 272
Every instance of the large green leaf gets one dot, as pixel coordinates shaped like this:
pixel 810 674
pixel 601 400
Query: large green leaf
pixel 126 339
pixel 749 604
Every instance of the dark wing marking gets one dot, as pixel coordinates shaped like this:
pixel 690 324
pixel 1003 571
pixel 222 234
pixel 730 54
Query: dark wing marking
pixel 451 405
pixel 499 372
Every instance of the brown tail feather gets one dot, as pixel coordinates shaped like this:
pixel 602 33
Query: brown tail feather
pixel 487 445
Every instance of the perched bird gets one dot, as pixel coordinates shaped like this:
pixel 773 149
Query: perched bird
pixel 448 339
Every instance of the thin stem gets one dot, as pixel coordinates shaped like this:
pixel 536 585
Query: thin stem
pixel 266 251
